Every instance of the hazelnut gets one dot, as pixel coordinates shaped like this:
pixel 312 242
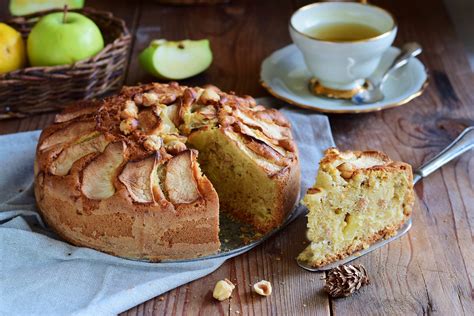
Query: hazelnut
pixel 175 147
pixel 223 290
pixel 138 99
pixel 227 109
pixel 153 143
pixel 150 98
pixel 347 170
pixel 187 99
pixel 263 288
pixel 227 120
pixel 313 191
pixel 128 125
pixel 130 110
pixel 259 108
pixel 251 101
pixel 209 96
pixel 167 99
pixel 198 92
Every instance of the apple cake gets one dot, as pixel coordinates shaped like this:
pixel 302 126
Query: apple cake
pixel 144 174
pixel 359 197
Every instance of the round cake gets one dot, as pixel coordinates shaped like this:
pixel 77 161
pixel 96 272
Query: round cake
pixel 144 174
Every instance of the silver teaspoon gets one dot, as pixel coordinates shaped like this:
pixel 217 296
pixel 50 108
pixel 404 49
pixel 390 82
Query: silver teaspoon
pixel 373 93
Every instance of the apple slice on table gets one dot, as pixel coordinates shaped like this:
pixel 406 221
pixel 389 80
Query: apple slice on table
pixel 176 60
pixel 23 7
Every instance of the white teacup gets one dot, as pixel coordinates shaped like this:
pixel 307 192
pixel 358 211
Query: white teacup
pixel 342 66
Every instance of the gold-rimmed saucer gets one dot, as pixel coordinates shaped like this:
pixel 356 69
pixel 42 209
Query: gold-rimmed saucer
pixel 284 75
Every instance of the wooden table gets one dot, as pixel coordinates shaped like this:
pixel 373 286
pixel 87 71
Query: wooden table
pixel 430 270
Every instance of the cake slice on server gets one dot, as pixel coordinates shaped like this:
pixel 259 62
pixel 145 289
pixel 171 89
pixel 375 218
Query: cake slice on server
pixel 359 197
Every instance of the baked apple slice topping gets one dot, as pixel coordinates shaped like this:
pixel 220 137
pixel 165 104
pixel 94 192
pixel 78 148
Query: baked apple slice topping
pixel 273 131
pixel 136 176
pixel 62 164
pixel 68 133
pixel 157 178
pixel 81 109
pixel 170 115
pixel 98 177
pixel 259 136
pixel 180 183
pixel 149 123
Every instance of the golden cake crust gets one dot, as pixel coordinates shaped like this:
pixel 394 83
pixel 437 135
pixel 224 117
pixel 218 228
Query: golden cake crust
pixel 117 174
pixel 363 162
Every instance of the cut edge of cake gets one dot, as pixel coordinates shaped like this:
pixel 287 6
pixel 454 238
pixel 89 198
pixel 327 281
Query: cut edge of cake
pixel 359 198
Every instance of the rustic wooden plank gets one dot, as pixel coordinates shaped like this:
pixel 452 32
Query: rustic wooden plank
pixel 294 290
pixel 238 35
pixel 430 270
pixel 4 10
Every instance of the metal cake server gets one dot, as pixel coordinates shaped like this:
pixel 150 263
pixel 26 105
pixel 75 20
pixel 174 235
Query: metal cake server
pixel 463 143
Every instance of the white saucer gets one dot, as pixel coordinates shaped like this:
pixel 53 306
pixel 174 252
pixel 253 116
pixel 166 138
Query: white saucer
pixel 285 76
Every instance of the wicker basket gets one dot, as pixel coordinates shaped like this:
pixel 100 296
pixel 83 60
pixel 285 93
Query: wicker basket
pixel 34 90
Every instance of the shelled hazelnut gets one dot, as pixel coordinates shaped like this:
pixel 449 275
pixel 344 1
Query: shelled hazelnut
pixel 130 110
pixel 153 143
pixel 150 99
pixel 346 169
pixel 223 290
pixel 263 288
pixel 128 125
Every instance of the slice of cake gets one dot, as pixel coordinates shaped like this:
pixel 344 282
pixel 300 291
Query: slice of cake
pixel 359 198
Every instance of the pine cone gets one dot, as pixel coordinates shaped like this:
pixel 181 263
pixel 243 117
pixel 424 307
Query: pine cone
pixel 345 280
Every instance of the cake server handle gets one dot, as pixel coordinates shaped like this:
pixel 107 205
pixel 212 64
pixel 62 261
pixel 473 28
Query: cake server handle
pixel 460 145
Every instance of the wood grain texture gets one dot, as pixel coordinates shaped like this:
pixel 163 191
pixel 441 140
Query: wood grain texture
pixel 429 271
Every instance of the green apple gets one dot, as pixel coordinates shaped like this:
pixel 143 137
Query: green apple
pixel 176 60
pixel 60 39
pixel 23 7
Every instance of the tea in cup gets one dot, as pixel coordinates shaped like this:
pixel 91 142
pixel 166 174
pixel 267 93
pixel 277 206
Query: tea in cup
pixel 342 44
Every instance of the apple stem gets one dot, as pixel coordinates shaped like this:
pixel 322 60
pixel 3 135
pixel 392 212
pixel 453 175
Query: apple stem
pixel 65 13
